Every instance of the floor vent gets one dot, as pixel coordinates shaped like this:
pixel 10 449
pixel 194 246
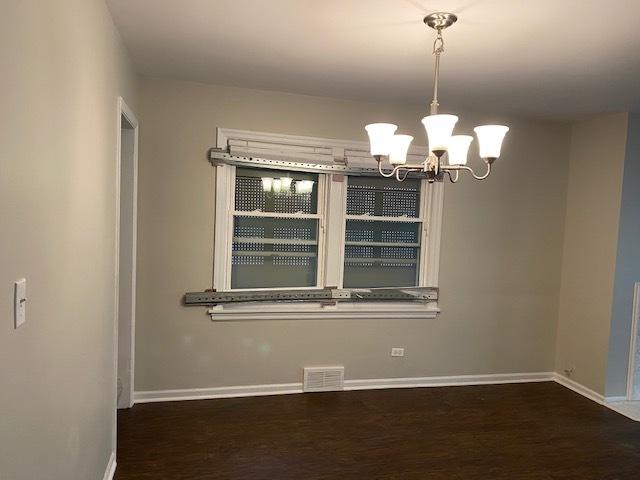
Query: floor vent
pixel 323 379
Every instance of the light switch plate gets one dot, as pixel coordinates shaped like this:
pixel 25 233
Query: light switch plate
pixel 20 305
pixel 397 352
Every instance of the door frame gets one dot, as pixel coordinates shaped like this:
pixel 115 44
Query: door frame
pixel 124 110
pixel 633 345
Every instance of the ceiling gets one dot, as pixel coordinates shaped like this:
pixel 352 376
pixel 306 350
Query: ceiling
pixel 543 58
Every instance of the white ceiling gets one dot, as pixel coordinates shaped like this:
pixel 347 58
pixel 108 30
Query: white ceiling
pixel 551 58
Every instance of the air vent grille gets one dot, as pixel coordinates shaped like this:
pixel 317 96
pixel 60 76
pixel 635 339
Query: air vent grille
pixel 323 379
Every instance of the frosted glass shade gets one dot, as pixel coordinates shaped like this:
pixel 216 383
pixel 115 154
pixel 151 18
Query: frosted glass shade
pixel 277 185
pixel 439 129
pixel 304 186
pixel 490 140
pixel 380 137
pixel 458 149
pixel 267 184
pixel 285 183
pixel 399 148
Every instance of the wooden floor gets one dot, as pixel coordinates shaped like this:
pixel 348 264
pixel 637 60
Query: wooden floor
pixel 536 431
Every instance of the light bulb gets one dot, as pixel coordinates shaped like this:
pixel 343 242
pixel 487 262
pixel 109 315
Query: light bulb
pixel 267 184
pixel 277 185
pixel 439 129
pixel 399 148
pixel 458 149
pixel 380 136
pixel 490 139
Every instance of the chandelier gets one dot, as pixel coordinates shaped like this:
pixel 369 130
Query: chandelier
pixel 386 144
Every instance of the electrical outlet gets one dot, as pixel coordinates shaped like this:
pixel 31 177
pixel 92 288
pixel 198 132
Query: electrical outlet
pixel 569 371
pixel 397 352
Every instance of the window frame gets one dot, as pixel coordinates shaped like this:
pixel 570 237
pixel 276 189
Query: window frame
pixel 223 282
pixel 421 219
pixel 332 217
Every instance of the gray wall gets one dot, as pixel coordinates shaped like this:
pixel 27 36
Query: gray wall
pixel 627 271
pixel 64 67
pixel 501 255
pixel 590 246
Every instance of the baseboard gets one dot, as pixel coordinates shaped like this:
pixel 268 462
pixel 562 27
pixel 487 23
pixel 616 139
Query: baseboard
pixel 110 471
pixel 628 408
pixel 217 392
pixel 363 384
pixel 616 399
pixel 579 388
pixel 447 381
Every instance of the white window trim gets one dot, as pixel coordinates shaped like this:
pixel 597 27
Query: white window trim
pixel 331 199
pixel 318 311
pixel 225 193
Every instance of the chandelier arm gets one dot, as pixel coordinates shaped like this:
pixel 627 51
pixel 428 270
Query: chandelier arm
pixel 468 169
pixel 452 178
pixel 482 177
pixel 408 167
pixel 386 175
pixel 404 177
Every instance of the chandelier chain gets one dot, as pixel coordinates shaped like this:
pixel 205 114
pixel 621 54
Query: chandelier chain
pixel 438 49
pixel 438 43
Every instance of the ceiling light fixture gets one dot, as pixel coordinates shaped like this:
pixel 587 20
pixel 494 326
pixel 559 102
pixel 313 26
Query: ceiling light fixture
pixel 385 143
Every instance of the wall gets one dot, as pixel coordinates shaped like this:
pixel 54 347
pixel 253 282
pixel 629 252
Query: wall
pixel 64 67
pixel 500 276
pixel 590 245
pixel 627 268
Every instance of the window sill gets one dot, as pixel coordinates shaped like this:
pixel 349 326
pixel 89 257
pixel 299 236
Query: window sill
pixel 319 311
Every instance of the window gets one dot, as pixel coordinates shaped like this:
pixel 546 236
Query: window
pixel 275 230
pixel 383 233
pixel 304 225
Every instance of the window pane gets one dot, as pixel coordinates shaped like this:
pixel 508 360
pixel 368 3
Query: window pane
pixel 381 254
pixel 274 252
pixel 276 191
pixel 383 197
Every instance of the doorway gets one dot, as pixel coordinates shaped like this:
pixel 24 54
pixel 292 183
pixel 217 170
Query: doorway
pixel 126 229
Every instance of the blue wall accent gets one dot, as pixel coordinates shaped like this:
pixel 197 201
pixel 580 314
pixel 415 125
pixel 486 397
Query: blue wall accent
pixel 627 263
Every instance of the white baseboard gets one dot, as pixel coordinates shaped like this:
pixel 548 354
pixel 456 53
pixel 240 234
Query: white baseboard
pixel 110 471
pixel 217 392
pixel 616 399
pixel 628 408
pixel 447 381
pixel 579 388
pixel 363 384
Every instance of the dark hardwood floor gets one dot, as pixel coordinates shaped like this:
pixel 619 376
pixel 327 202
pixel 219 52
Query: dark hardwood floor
pixel 536 431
